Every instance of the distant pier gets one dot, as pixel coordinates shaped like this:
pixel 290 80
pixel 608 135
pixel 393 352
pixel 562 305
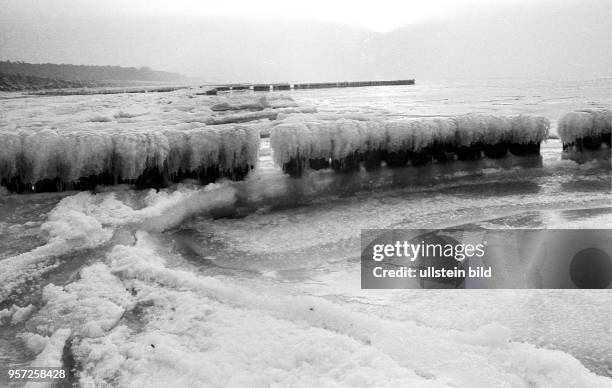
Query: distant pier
pixel 314 85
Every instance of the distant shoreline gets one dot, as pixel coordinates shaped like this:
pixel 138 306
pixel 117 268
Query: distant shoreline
pixel 21 83
pixel 23 76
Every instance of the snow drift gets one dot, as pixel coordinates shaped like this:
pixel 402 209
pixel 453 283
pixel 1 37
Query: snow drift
pixel 344 143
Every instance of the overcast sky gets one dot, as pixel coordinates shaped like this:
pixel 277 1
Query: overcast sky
pixel 376 15
pixel 275 40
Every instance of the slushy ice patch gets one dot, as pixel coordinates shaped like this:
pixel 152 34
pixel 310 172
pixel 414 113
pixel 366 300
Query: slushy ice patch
pixel 346 144
pixel 586 134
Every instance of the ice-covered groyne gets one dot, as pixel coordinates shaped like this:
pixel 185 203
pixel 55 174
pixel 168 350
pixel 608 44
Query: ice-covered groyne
pixel 150 140
pixel 52 160
pixel 345 144
pixel 586 134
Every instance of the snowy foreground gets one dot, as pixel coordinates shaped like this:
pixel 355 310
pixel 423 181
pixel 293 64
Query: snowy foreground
pixel 139 315
pixel 253 282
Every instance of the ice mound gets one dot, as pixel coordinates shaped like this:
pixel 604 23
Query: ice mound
pixel 586 134
pixel 269 114
pixel 15 314
pixel 318 142
pixel 34 342
pixel 51 355
pixel 249 102
pixel 88 307
pixel 21 314
pixel 128 113
pixel 245 108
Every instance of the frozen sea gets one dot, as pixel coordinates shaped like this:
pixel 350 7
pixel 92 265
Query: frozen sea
pixel 257 283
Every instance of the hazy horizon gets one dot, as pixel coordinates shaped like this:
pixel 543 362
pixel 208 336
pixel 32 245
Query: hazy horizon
pixel 243 43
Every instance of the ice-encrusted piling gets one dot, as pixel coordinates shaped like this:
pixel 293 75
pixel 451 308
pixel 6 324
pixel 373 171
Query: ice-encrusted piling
pixel 586 134
pixel 50 160
pixel 346 144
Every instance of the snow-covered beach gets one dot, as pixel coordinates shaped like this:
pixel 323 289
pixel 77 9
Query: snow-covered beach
pixel 255 280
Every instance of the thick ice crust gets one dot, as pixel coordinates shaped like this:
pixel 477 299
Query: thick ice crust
pixel 346 144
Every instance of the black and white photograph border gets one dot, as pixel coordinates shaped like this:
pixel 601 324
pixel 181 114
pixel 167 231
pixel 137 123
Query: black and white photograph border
pixel 192 193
